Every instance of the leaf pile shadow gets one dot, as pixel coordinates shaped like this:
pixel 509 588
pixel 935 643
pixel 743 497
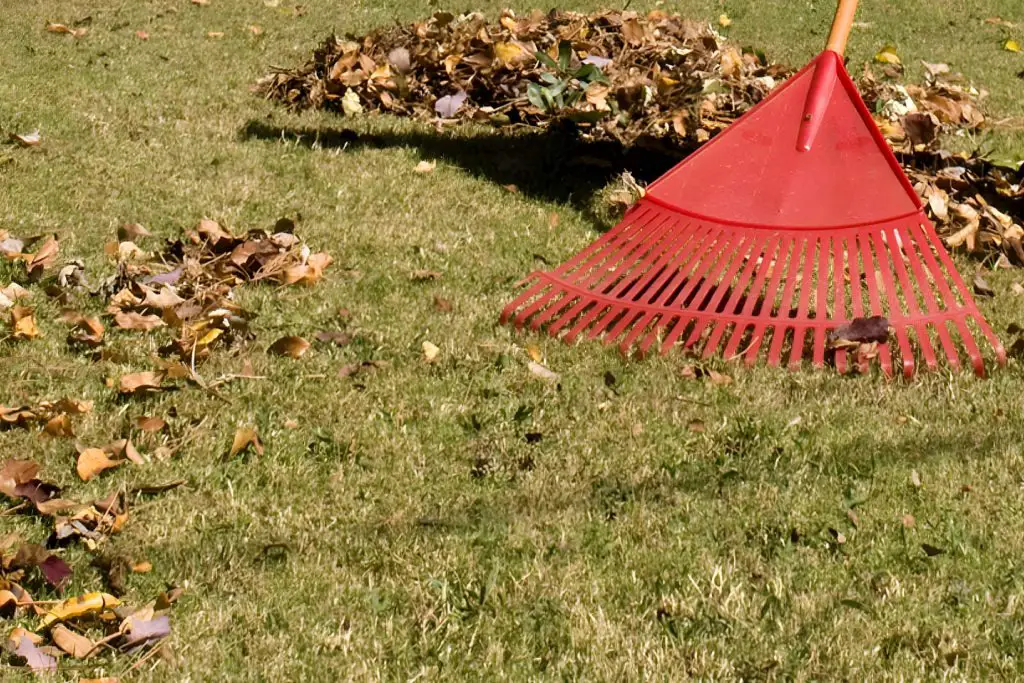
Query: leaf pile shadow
pixel 639 80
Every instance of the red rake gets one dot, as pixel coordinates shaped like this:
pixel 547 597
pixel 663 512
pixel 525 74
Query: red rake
pixel 793 222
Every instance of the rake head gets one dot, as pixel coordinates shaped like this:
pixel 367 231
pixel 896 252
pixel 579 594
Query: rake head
pixel 826 232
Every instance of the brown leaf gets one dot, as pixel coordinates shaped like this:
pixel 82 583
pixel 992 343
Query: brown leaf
pixel 293 347
pixel 78 646
pixel 150 424
pixel 244 438
pixel 424 275
pixel 91 462
pixel 129 232
pixel 442 304
pixel 137 321
pixel 141 382
pixel 23 323
pixel 719 379
pixel 44 257
pixel 142 35
pixel 860 330
pixel 67 30
pixel 87 331
pixel 59 425
pixel 334 337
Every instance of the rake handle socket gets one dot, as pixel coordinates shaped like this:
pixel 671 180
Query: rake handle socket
pixel 825 75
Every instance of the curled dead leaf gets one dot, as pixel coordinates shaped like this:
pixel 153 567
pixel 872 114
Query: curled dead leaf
pixel 141 382
pixel 244 438
pixel 293 347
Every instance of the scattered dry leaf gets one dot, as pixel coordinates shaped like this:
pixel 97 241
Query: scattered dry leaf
pixel 23 323
pixel 430 352
pixel 141 382
pixel 425 166
pixel 542 372
pixel 293 347
pixel 244 438
pixel 92 461
pixel 74 644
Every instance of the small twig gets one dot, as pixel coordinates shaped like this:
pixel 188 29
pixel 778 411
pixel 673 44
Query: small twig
pixel 144 658
pixel 11 511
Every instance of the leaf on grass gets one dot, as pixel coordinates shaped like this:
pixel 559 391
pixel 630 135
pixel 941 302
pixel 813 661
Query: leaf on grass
pixel 425 166
pixel 55 570
pixel 74 644
pixel 442 304
pixel 542 372
pixel 533 351
pixel 430 352
pixel 59 425
pixel 888 55
pixel 143 567
pixel 931 550
pixel 123 449
pixel 142 631
pixel 92 461
pixel 78 607
pixel 87 331
pixel 424 275
pixel 150 424
pixel 696 426
pixel 137 321
pixel 142 35
pixel 23 323
pixel 52 27
pixel 244 438
pixel 860 331
pixel 337 338
pixel 981 287
pixel 33 139
pixel 293 347
pixel 34 658
pixel 129 232
pixel 724 21
pixel 1011 45
pixel 44 257
pixel 141 382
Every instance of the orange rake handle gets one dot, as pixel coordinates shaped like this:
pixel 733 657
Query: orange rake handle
pixel 841 26
pixel 825 75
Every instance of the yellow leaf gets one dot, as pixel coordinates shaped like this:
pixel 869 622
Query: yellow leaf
pixel 80 606
pixel 534 351
pixel 245 437
pixel 23 321
pixel 430 352
pixel 92 461
pixel 210 336
pixel 724 21
pixel 887 55
pixel 510 53
pixel 1011 45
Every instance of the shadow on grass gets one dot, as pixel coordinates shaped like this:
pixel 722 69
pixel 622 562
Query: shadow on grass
pixel 553 165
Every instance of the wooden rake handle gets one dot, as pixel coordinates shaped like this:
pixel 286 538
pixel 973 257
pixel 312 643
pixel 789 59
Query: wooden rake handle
pixel 841 26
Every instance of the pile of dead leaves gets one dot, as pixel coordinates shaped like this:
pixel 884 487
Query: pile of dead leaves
pixel 634 78
pixel 188 286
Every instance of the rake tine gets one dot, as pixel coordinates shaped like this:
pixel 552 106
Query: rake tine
pixel 737 291
pixel 786 252
pixel 895 309
pixel 821 303
pixel 800 328
pixel 717 287
pixel 779 333
pixel 923 276
pixel 896 250
pixel 768 259
pixel 876 305
pixel 840 251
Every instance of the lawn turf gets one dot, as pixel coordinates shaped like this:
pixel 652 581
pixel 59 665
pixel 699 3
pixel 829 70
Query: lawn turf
pixel 400 524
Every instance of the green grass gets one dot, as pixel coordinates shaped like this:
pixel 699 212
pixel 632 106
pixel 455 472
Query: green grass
pixel 423 536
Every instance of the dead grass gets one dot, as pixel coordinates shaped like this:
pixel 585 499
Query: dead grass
pixel 407 527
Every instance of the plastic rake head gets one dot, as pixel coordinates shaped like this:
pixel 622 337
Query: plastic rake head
pixel 776 248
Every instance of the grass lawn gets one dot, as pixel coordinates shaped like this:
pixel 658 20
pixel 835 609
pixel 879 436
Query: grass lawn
pixel 400 524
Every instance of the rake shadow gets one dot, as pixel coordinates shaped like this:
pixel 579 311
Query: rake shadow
pixel 556 164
